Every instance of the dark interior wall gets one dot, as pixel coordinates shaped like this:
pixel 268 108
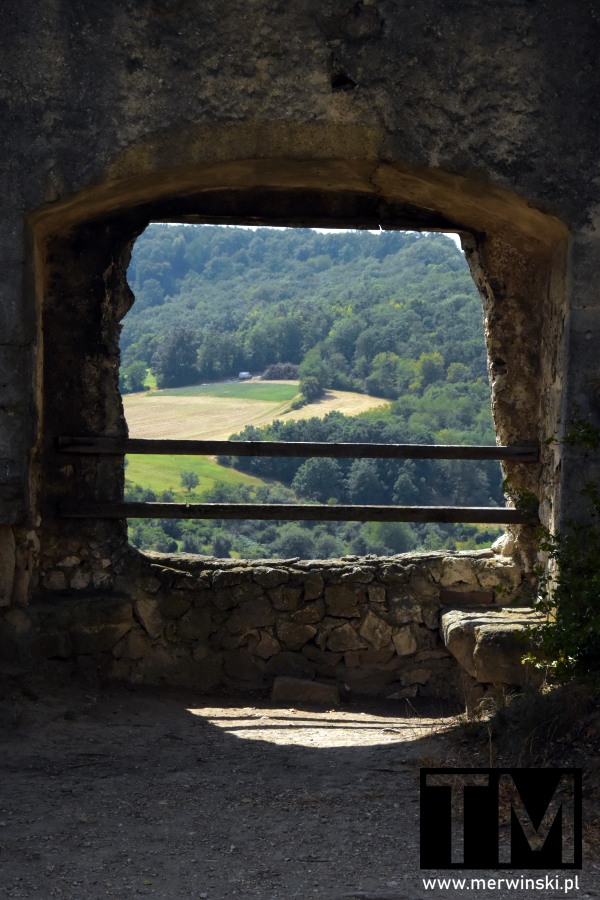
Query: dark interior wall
pixel 480 116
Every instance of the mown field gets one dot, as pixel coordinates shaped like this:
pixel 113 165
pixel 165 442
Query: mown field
pixel 215 412
pixel 162 473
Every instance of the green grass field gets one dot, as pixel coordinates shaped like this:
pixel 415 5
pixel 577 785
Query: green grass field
pixel 212 411
pixel 160 473
pixel 270 392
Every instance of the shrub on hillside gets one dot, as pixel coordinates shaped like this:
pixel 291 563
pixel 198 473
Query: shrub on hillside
pixel 281 372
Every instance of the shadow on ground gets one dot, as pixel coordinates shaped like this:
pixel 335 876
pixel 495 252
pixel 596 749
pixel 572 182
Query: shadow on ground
pixel 134 792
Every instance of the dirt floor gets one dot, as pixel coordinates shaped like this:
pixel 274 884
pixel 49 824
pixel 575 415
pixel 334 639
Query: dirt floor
pixel 129 793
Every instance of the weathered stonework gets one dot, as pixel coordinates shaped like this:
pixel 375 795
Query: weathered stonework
pixel 480 118
pixel 212 623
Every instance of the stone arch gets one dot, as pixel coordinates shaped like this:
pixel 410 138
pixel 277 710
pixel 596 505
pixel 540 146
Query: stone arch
pixel 517 255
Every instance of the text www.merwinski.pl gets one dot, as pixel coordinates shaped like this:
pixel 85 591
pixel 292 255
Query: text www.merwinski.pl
pixel 520 883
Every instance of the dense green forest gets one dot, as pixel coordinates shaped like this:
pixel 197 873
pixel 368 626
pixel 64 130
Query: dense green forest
pixel 393 314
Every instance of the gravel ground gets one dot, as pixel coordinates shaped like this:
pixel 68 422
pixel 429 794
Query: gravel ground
pixel 157 793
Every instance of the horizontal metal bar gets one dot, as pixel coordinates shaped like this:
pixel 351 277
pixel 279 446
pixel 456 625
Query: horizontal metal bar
pixel 525 453
pixel 491 515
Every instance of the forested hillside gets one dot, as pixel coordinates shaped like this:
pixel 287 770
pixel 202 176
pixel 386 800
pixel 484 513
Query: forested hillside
pixel 393 314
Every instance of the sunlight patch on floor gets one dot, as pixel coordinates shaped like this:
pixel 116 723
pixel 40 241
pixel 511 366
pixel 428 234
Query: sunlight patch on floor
pixel 332 728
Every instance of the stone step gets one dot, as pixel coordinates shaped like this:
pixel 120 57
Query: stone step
pixel 490 643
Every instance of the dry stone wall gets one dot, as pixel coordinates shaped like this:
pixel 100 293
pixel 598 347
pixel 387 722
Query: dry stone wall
pixel 369 625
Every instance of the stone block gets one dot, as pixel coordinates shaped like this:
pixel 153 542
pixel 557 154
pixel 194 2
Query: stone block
pixel 292 664
pixel 241 666
pixel 431 615
pixel 299 692
pixel 370 680
pixel 135 645
pixel 230 597
pixel 502 571
pixel 286 598
pixel 404 641
pixel 55 580
pixel 457 571
pixel 202 598
pixel 504 545
pixel 173 605
pixel 69 562
pixel 98 640
pixel 147 613
pixel 343 601
pixel 403 608
pixel 94 612
pixel 269 577
pixel 325 627
pixel 267 645
pixel 99 623
pixel 230 577
pixel 313 586
pixel 345 638
pixel 490 644
pixel 310 614
pixel 294 636
pixel 376 593
pixel 375 631
pixel 357 575
pixel 151 584
pixel 421 587
pixel 101 580
pixel 80 580
pixel 324 660
pixel 186 582
pixel 196 623
pixel 251 614
pixel 393 573
pixel 416 676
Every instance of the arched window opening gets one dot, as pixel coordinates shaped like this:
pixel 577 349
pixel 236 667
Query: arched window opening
pixel 298 334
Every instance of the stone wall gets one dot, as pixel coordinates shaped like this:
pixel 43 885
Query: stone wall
pixel 474 117
pixel 371 626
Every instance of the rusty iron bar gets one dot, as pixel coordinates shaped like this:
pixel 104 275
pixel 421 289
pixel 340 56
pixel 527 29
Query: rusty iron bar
pixel 524 453
pixel 491 515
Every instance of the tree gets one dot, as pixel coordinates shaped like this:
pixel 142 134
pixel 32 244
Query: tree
pixel 457 372
pixel 319 479
pixel 430 368
pixel 174 362
pixel 364 484
pixel 132 378
pixel 189 480
pixel 294 540
pixel 311 388
pixel 394 537
pixel 221 545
